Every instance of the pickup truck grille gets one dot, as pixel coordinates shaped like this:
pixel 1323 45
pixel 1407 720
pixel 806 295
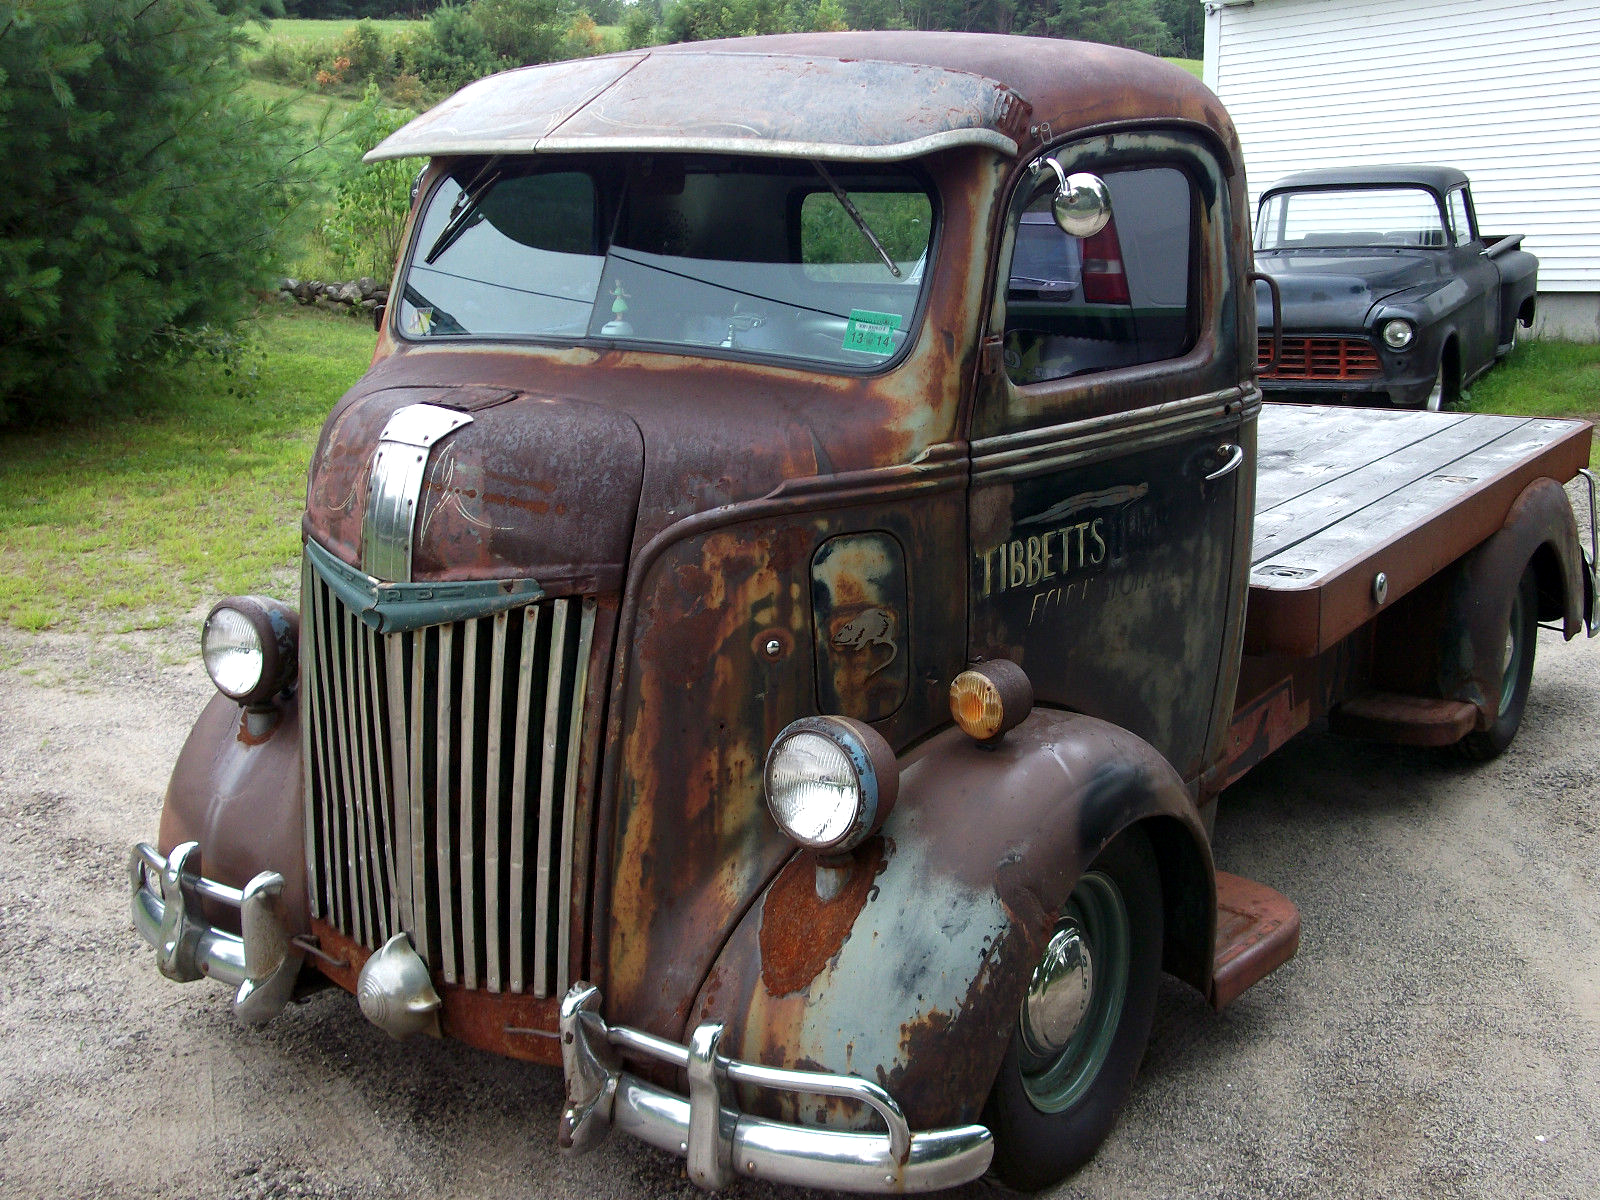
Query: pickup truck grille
pixel 442 773
pixel 1318 358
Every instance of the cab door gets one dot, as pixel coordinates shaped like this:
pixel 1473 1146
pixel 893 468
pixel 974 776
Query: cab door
pixel 1113 447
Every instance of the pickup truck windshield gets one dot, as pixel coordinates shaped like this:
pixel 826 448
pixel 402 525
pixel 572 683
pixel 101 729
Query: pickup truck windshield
pixel 1328 218
pixel 739 255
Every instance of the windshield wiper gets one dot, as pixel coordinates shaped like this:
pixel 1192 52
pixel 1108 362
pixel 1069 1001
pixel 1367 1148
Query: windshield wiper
pixel 464 209
pixel 861 222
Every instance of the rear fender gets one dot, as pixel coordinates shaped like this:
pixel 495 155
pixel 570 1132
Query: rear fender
pixel 238 792
pixel 1539 530
pixel 906 962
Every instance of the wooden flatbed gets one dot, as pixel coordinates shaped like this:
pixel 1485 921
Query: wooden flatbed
pixel 1345 493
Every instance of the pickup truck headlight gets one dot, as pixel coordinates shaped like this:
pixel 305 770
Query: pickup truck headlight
pixel 1397 334
pixel 250 645
pixel 831 782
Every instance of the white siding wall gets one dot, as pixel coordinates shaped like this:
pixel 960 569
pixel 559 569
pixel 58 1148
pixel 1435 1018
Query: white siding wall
pixel 1509 92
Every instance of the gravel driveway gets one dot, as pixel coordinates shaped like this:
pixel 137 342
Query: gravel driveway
pixel 1438 1035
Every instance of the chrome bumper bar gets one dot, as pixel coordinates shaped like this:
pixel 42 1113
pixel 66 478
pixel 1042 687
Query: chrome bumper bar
pixel 262 963
pixel 720 1142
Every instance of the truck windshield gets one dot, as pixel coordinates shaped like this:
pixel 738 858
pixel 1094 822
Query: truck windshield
pixel 1369 216
pixel 738 255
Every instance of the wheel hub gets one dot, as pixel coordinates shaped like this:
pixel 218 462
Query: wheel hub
pixel 1059 994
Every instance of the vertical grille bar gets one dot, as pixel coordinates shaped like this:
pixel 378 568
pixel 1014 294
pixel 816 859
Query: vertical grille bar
pixel 361 784
pixel 569 798
pixel 399 769
pixel 492 806
pixel 416 811
pixel 444 719
pixel 372 661
pixel 468 792
pixel 343 908
pixel 354 827
pixel 317 872
pixel 525 716
pixel 549 798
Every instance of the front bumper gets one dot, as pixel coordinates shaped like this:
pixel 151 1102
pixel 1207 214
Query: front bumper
pixel 261 960
pixel 719 1141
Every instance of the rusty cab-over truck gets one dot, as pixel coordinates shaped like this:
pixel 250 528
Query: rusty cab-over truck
pixel 773 627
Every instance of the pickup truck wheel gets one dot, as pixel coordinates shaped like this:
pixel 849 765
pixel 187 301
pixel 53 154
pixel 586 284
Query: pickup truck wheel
pixel 1435 400
pixel 1084 1022
pixel 1522 632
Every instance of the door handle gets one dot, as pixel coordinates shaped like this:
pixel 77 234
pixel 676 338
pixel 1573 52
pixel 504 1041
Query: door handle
pixel 1232 455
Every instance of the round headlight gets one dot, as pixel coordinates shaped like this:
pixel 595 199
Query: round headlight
pixel 250 645
pixel 1397 334
pixel 830 781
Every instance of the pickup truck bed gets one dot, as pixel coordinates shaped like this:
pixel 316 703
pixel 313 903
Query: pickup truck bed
pixel 1344 493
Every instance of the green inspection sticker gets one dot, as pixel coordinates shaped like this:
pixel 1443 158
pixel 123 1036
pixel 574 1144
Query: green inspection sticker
pixel 871 332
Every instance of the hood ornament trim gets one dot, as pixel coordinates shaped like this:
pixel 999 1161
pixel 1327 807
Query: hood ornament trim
pixel 394 486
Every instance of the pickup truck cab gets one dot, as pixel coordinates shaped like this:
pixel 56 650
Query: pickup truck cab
pixel 773 629
pixel 1389 292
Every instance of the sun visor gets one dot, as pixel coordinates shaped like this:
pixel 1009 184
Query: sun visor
pixel 790 106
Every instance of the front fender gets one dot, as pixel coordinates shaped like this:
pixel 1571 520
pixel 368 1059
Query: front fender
pixel 906 963
pixel 238 792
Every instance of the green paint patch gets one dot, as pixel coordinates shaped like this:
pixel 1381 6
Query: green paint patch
pixel 871 332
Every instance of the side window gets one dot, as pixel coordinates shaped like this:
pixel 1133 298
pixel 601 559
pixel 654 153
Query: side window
pixel 1116 299
pixel 1459 218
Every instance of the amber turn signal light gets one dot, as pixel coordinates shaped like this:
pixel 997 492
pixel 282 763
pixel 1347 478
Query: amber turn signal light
pixel 989 698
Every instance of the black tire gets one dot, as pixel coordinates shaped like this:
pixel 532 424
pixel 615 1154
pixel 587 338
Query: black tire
pixel 1444 393
pixel 1522 635
pixel 1035 1148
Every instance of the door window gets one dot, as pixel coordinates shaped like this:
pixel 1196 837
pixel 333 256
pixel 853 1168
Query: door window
pixel 1460 219
pixel 1116 299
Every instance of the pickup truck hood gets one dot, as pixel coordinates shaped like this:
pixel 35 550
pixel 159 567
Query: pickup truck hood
pixel 1330 289
pixel 534 486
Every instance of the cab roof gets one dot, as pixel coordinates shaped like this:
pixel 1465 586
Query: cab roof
pixel 865 97
pixel 1438 179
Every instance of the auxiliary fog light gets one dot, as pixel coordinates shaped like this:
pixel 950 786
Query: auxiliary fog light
pixel 251 648
pixel 990 698
pixel 1397 334
pixel 831 782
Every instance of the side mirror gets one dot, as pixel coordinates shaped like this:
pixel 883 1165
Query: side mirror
pixel 1082 203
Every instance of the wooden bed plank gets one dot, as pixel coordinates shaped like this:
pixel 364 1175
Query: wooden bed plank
pixel 1375 497
pixel 1302 447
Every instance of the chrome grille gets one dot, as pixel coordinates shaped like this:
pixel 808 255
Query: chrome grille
pixel 442 773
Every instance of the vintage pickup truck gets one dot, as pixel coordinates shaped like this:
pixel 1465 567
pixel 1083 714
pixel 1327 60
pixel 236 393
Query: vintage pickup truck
pixel 781 608
pixel 1388 291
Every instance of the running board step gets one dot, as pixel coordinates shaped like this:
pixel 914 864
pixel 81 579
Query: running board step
pixel 1406 720
pixel 1258 930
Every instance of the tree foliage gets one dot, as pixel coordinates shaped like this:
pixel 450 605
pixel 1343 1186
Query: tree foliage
pixel 144 193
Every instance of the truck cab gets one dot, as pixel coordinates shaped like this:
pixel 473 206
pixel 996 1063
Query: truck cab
pixel 772 612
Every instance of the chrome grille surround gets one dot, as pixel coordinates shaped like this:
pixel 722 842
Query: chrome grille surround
pixel 442 769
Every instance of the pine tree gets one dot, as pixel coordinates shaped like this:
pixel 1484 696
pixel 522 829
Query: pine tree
pixel 144 189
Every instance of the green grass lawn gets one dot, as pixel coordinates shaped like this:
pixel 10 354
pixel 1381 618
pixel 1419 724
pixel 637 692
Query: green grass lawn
pixel 134 520
pixel 295 34
pixel 1547 379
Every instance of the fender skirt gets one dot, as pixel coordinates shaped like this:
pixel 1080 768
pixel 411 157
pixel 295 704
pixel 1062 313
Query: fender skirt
pixel 905 961
pixel 1540 529
pixel 240 796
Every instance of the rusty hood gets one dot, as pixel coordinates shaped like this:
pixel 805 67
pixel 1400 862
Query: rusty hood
pixel 530 486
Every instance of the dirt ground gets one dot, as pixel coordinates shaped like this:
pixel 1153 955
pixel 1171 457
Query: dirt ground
pixel 1438 1035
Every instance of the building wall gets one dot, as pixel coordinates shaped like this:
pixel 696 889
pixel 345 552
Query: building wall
pixel 1509 92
